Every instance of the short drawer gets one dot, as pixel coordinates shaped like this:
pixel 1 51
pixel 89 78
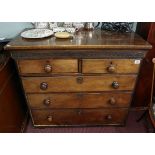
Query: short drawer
pixel 48 66
pixel 78 84
pixel 79 100
pixel 110 65
pixel 79 117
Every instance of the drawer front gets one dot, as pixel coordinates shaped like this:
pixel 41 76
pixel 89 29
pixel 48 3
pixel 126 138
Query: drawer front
pixel 78 84
pixel 79 117
pixel 48 66
pixel 79 100
pixel 110 66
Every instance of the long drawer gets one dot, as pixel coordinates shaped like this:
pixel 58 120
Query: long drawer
pixel 48 66
pixel 79 100
pixel 110 65
pixel 78 84
pixel 79 117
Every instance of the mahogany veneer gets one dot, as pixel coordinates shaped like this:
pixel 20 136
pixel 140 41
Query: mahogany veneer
pixel 86 80
pixel 79 100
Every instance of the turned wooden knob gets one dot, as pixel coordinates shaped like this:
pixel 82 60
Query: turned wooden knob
pixel 47 102
pixel 109 117
pixel 79 80
pixel 111 69
pixel 112 101
pixel 49 118
pixel 43 86
pixel 153 60
pixel 48 68
pixel 115 85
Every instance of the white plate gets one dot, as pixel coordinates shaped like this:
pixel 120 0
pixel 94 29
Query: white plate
pixel 37 33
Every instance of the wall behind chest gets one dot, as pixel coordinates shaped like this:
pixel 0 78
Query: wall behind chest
pixel 11 29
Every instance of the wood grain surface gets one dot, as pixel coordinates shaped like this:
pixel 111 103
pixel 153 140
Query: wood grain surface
pixel 57 66
pixel 104 65
pixel 78 84
pixel 79 117
pixel 79 100
pixel 96 39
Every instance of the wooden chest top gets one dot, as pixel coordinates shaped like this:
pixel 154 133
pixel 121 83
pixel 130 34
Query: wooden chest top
pixel 96 39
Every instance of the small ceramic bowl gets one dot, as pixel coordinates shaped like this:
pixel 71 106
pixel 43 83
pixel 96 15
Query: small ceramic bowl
pixel 78 25
pixel 58 29
pixel 53 25
pixel 40 25
pixel 70 30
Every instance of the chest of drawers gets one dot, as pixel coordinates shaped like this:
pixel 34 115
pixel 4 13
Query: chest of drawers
pixel 86 80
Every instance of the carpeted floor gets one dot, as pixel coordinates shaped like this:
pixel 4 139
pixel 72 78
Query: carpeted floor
pixel 131 127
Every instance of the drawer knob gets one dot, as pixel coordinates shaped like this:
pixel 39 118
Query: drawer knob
pixel 47 102
pixel 49 118
pixel 79 80
pixel 111 69
pixel 43 86
pixel 48 68
pixel 112 101
pixel 109 117
pixel 115 85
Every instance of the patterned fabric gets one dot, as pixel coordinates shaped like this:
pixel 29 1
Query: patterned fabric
pixel 116 26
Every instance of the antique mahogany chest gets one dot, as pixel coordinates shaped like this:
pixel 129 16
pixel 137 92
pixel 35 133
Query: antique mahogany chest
pixel 85 80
